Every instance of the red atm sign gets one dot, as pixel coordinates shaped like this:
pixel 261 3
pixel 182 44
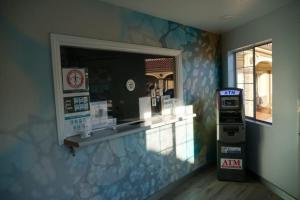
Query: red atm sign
pixel 231 163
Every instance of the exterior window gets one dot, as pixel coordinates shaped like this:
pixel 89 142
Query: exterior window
pixel 254 75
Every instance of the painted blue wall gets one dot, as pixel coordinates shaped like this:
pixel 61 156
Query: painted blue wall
pixel 33 165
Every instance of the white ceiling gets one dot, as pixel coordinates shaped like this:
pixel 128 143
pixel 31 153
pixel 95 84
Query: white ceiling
pixel 211 15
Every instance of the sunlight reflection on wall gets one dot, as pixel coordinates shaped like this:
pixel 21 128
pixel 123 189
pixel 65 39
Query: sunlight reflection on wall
pixel 178 136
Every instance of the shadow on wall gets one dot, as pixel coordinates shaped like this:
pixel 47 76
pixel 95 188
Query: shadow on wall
pixel 253 149
pixel 205 129
pixel 130 167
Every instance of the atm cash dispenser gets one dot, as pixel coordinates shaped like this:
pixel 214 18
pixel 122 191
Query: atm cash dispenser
pixel 231 138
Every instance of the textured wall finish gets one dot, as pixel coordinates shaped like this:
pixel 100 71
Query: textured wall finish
pixel 33 166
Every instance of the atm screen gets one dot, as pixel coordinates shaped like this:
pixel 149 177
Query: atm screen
pixel 230 102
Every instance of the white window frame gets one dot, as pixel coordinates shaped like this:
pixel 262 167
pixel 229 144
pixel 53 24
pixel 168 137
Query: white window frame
pixel 252 47
pixel 58 40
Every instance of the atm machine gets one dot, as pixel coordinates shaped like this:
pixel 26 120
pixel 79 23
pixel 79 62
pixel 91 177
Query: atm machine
pixel 231 137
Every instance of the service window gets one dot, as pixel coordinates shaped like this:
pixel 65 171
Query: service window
pixel 98 83
pixel 117 79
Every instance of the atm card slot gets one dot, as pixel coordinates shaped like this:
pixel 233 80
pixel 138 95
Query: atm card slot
pixel 231 130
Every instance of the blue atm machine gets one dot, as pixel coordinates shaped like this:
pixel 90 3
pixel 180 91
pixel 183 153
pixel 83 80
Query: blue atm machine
pixel 231 136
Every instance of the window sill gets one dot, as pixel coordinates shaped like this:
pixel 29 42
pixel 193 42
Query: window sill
pixel 122 130
pixel 267 124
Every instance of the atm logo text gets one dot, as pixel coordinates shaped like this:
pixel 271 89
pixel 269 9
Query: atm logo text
pixel 231 163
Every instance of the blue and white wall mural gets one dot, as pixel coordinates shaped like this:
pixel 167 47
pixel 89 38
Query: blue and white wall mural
pixel 33 165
